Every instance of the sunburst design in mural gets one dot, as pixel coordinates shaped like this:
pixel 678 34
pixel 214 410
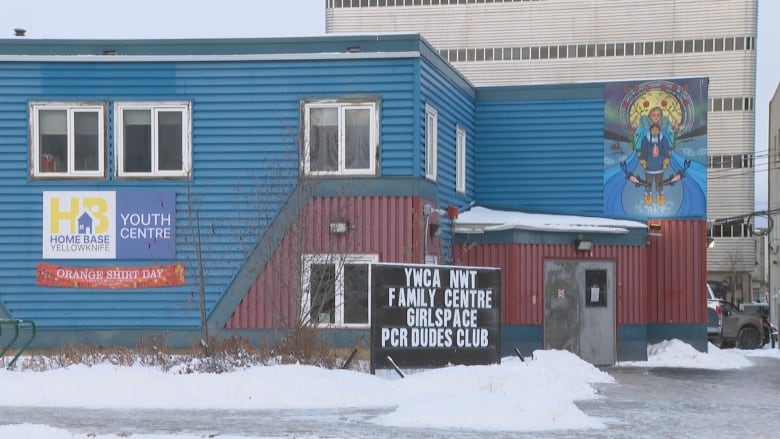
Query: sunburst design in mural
pixel 672 98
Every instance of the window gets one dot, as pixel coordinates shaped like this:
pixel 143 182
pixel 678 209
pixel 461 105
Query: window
pixel 460 160
pixel 67 140
pixel 431 134
pixel 152 139
pixel 732 229
pixel 335 289
pixel 340 138
pixel 734 161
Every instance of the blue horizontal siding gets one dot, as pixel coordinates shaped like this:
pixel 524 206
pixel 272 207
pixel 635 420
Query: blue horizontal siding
pixel 245 140
pixel 541 155
pixel 455 106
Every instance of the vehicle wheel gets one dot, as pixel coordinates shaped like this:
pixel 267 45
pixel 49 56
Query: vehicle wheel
pixel 748 338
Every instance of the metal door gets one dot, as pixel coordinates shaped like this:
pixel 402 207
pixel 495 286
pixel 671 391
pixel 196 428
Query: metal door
pixel 579 309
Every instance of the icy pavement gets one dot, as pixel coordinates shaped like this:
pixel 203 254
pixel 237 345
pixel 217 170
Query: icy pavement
pixel 643 401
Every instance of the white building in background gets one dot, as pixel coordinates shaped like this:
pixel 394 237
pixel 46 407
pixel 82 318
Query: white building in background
pixel 773 238
pixel 496 42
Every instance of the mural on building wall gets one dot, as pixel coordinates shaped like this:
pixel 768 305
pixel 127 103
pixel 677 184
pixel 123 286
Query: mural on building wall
pixel 655 149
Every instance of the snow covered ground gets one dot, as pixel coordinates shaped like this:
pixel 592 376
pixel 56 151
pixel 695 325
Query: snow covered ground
pixel 534 395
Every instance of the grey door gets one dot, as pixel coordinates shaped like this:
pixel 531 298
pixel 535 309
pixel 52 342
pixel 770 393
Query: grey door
pixel 579 309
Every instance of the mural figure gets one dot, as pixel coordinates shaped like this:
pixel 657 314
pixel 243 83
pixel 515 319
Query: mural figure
pixel 654 155
pixel 654 117
pixel 655 149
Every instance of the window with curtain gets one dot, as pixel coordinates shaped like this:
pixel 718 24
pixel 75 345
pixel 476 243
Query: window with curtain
pixel 340 138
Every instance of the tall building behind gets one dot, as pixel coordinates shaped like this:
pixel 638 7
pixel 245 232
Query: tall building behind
pixel 772 246
pixel 568 41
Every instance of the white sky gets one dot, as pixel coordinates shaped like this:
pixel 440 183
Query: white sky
pixel 276 18
pixel 534 395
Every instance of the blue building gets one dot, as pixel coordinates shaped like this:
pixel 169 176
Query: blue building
pixel 152 188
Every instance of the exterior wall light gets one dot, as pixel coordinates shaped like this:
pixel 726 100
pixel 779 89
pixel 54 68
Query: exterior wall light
pixel 582 244
pixel 339 227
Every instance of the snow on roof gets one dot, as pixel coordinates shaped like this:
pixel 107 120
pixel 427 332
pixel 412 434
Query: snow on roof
pixel 480 219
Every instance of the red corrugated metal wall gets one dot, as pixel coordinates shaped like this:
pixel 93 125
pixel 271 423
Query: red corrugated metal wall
pixel 677 273
pixel 522 276
pixel 661 283
pixel 390 227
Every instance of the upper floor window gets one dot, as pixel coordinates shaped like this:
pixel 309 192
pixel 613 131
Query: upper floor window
pixel 460 159
pixel 340 138
pixel 431 135
pixel 152 139
pixel 335 290
pixel 67 139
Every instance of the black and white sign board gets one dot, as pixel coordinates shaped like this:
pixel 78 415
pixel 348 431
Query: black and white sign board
pixel 428 316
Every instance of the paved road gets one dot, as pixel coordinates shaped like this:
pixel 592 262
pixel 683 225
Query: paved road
pixel 645 403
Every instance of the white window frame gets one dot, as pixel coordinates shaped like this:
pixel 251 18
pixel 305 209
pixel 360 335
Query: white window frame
pixel 460 159
pixel 343 107
pixel 155 108
pixel 71 108
pixel 431 141
pixel 339 260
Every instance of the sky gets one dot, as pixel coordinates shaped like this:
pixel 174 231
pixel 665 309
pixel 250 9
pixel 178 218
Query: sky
pixel 542 389
pixel 274 18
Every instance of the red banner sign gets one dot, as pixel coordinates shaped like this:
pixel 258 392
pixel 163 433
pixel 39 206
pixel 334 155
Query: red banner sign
pixel 151 276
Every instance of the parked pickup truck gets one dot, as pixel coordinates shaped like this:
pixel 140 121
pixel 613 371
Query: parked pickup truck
pixel 727 326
